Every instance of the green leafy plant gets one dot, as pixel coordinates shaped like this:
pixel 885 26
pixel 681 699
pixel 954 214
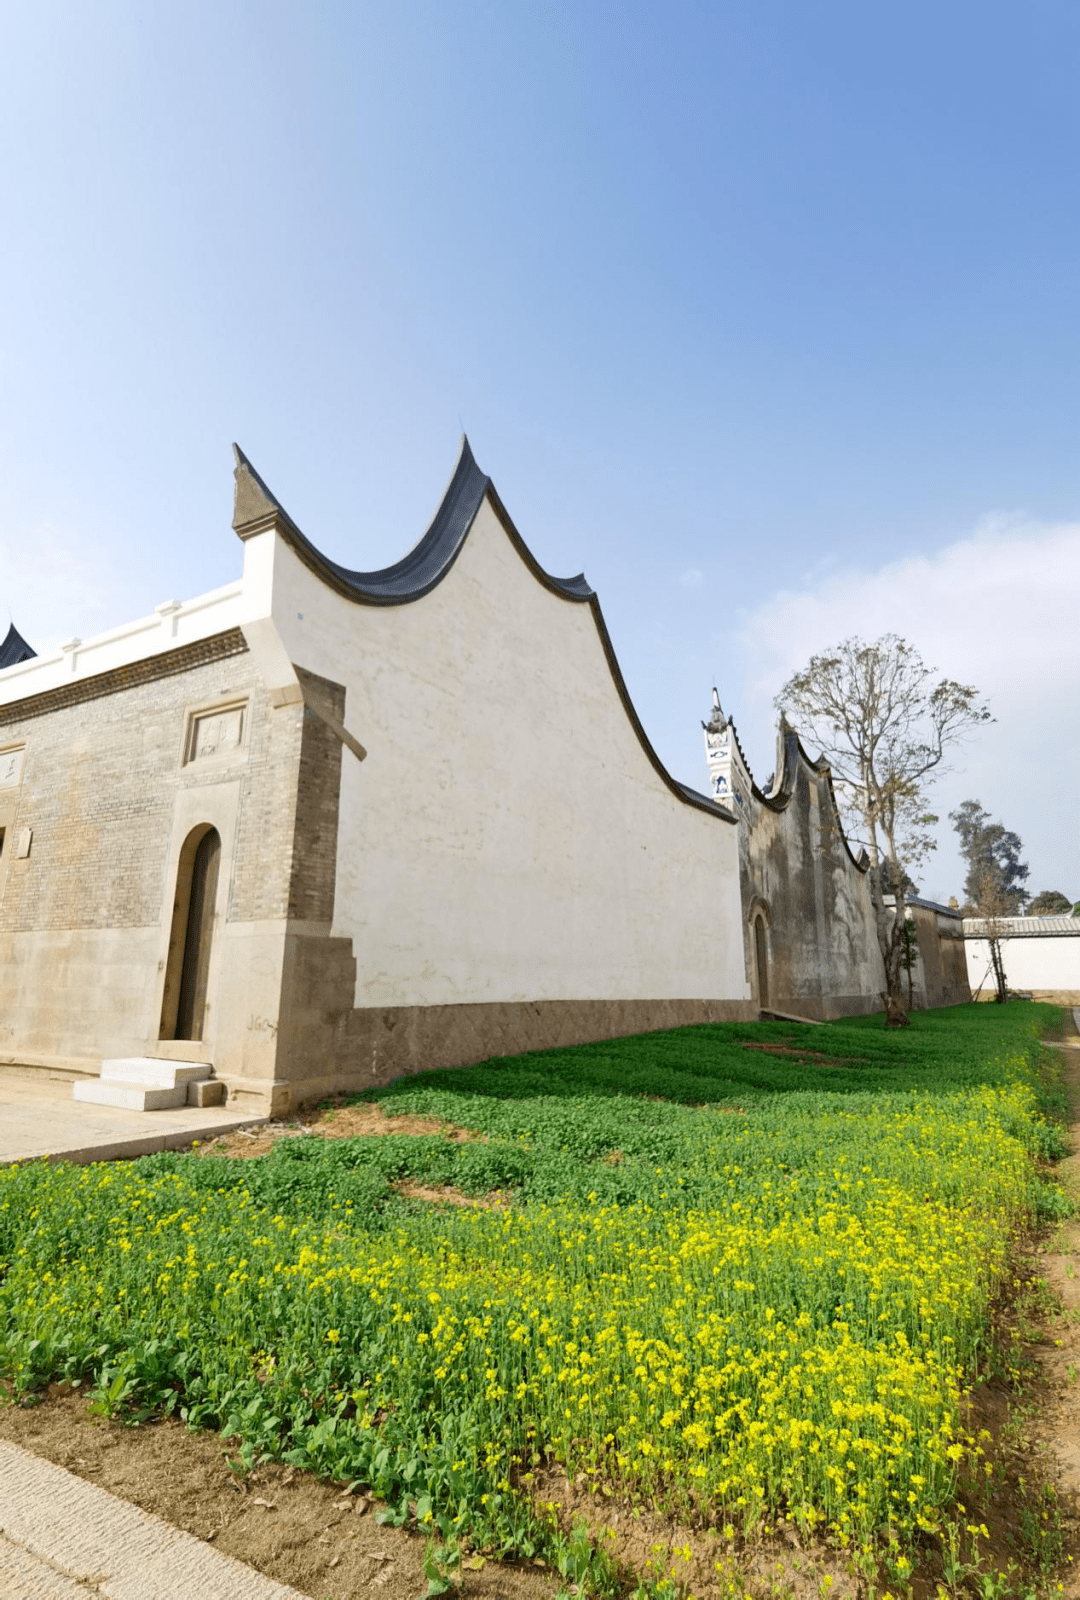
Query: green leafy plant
pixel 720 1278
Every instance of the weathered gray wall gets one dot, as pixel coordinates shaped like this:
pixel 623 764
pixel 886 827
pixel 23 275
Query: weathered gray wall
pixel 939 977
pixel 823 958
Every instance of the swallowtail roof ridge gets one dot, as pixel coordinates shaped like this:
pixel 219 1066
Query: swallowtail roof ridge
pixel 257 509
pixel 426 564
pixel 14 649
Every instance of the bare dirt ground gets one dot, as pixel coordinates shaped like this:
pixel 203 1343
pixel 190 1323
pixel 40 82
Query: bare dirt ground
pixel 330 1546
pixel 284 1523
pixel 330 1121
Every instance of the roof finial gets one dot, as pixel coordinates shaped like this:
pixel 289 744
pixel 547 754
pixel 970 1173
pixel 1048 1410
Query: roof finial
pixel 717 721
pixel 14 648
pixel 255 507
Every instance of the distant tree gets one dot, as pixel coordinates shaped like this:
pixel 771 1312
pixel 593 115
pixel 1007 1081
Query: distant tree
pixel 1050 903
pixel 994 885
pixel 993 905
pixel 884 726
pixel 996 874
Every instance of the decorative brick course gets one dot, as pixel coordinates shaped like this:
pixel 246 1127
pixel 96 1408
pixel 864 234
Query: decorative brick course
pixel 216 648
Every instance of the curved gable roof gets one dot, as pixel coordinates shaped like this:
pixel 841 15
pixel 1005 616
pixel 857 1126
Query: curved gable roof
pixel 426 564
pixel 781 793
pixel 14 648
pixel 257 510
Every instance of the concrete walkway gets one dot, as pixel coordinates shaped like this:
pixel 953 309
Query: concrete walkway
pixel 63 1539
pixel 38 1117
pixel 1071 1041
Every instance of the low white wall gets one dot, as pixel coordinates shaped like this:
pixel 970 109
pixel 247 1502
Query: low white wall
pixel 507 838
pixel 1048 963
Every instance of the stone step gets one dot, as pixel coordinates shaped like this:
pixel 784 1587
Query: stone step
pixel 148 1072
pixel 145 1083
pixel 789 1016
pixel 206 1092
pixel 129 1097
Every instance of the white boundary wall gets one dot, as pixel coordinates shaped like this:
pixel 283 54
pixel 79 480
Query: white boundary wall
pixel 507 837
pixel 1040 955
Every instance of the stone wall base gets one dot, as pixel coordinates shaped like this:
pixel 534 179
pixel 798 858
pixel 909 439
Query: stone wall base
pixel 375 1045
pixel 1048 997
pixel 824 1008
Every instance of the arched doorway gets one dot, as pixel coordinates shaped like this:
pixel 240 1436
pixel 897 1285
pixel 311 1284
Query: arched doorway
pixel 184 1008
pixel 761 957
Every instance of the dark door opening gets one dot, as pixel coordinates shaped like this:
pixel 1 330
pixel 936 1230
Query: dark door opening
pixel 762 963
pixel 195 969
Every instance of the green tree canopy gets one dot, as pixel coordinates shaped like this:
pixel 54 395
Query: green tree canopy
pixel 1050 903
pixel 994 885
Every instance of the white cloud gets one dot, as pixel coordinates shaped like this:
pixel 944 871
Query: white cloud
pixel 998 609
pixel 692 578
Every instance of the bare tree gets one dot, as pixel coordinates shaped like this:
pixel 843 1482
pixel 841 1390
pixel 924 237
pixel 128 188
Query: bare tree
pixel 993 903
pixel 885 727
pixel 994 885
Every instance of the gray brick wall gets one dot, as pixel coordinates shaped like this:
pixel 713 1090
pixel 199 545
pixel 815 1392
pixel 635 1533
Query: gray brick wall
pixel 98 788
pixel 314 868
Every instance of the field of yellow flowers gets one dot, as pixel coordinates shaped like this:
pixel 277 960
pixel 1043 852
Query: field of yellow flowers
pixel 735 1283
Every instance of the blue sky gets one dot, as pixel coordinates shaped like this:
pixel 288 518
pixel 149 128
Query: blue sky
pixel 764 314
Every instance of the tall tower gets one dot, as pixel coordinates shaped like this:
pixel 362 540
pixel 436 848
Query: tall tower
pixel 729 778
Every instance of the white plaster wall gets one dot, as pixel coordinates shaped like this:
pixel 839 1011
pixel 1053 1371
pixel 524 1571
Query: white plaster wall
pixel 507 838
pixel 1039 963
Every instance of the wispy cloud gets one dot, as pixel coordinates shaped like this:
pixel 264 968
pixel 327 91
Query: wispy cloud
pixel 692 578
pixel 997 609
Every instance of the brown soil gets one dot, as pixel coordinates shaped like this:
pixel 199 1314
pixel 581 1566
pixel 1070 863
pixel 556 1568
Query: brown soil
pixel 788 1047
pixel 328 1544
pixel 1031 1500
pixel 331 1122
pixel 283 1523
pixel 447 1196
pixel 705 1565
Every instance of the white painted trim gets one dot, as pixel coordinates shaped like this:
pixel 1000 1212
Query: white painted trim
pixel 170 628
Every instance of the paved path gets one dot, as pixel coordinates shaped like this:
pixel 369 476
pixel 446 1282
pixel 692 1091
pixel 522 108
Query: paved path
pixel 1071 1041
pixel 63 1539
pixel 38 1117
